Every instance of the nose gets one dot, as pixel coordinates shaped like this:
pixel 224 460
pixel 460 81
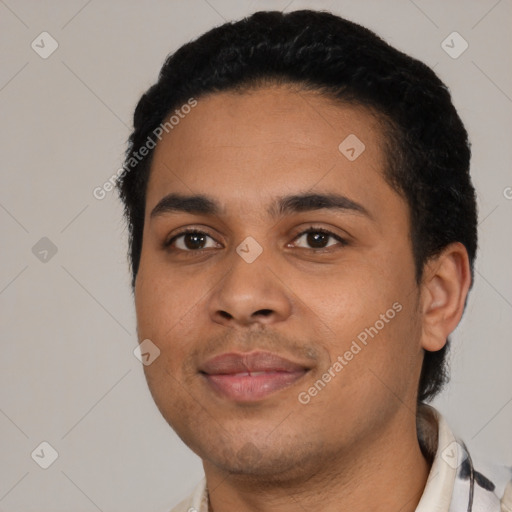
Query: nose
pixel 250 293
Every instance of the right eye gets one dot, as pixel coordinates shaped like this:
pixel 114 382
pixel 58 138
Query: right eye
pixel 191 240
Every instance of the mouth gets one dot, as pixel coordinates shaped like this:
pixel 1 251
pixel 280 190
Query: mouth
pixel 251 377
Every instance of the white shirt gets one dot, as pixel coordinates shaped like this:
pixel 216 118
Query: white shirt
pixel 452 476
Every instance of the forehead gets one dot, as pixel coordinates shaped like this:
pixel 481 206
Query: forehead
pixel 245 146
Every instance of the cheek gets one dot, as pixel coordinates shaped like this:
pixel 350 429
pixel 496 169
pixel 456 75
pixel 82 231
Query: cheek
pixel 163 301
pixel 373 324
pixel 165 312
pixel 351 298
pixel 165 315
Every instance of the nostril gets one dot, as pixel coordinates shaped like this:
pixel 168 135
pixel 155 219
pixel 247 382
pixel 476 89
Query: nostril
pixel 263 312
pixel 225 314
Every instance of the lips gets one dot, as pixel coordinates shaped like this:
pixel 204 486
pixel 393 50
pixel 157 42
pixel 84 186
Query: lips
pixel 251 376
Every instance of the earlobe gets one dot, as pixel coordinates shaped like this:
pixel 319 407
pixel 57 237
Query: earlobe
pixel 444 288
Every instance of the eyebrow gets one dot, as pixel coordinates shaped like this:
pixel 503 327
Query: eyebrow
pixel 201 204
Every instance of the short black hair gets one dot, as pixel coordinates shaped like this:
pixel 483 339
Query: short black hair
pixel 428 151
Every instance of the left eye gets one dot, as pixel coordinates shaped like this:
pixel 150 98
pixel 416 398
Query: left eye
pixel 319 238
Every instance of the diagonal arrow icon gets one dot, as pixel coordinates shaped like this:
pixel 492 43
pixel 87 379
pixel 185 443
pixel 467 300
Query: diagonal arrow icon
pixel 44 45
pixel 146 352
pixel 351 147
pixel 454 45
pixel 44 455
pixel 249 249
pixel 44 250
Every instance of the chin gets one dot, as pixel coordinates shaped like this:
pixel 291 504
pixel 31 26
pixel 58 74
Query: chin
pixel 271 463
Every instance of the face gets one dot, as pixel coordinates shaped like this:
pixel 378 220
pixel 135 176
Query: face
pixel 287 316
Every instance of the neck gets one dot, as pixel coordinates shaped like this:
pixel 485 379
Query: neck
pixel 388 472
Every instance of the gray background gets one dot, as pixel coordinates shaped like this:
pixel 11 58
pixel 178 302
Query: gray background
pixel 67 372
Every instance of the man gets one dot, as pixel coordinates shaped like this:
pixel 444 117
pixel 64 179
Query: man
pixel 302 236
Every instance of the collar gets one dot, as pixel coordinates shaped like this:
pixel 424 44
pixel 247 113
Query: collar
pixel 441 448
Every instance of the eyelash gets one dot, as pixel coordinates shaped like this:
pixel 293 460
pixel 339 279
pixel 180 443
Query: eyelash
pixel 311 229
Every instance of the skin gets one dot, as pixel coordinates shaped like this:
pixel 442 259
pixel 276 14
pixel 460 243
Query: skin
pixel 356 439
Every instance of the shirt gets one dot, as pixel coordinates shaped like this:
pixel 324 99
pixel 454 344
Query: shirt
pixel 456 482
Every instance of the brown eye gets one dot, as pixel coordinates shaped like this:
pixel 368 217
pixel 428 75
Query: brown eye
pixel 319 239
pixel 194 241
pixel 191 241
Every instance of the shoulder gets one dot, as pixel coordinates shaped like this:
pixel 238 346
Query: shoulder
pixel 465 479
pixel 486 484
pixel 491 482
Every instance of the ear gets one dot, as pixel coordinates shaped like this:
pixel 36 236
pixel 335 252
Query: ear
pixel 444 288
